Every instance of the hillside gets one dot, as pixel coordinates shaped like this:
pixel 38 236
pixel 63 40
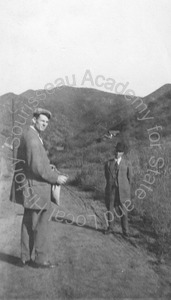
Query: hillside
pixel 81 119
pixel 159 93
pixel 88 112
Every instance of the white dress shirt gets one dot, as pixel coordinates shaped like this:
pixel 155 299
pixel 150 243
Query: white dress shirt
pixel 118 160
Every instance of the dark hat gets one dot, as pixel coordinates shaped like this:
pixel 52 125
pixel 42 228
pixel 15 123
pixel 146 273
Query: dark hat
pixel 120 147
pixel 41 111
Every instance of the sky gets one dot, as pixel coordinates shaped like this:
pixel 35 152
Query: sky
pixel 125 40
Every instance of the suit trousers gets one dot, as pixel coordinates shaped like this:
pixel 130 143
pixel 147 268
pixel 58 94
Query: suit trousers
pixel 116 208
pixel 35 235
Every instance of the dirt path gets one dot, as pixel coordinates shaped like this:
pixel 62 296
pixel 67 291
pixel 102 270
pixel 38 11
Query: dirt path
pixel 90 264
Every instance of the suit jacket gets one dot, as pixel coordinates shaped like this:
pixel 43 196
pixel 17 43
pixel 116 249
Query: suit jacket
pixel 118 177
pixel 33 175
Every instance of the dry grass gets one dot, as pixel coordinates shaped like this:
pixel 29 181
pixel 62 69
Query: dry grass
pixel 155 208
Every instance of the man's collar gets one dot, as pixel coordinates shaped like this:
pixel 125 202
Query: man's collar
pixel 31 126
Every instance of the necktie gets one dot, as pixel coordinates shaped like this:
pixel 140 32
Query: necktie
pixel 116 171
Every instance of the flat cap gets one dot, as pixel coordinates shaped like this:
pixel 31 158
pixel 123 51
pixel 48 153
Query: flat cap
pixel 42 111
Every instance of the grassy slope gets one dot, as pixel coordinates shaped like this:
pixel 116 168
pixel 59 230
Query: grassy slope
pixel 81 116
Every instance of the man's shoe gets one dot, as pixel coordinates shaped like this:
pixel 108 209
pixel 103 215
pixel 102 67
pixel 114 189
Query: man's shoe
pixel 44 265
pixel 25 263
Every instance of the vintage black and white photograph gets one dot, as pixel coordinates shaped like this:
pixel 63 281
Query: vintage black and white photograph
pixel 85 149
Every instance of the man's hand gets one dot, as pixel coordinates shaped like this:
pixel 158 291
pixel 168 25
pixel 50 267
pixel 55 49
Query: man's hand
pixel 62 179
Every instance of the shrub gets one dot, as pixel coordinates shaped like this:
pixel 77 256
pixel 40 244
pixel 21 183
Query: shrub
pixel 156 206
pixel 91 177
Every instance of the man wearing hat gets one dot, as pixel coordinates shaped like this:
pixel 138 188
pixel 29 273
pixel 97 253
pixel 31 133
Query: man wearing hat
pixel 118 173
pixel 33 177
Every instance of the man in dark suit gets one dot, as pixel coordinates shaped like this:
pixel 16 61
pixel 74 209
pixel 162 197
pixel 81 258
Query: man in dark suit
pixel 33 177
pixel 118 173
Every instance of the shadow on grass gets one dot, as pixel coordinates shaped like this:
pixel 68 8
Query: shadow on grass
pixel 148 238
pixel 69 222
pixel 117 235
pixel 11 259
